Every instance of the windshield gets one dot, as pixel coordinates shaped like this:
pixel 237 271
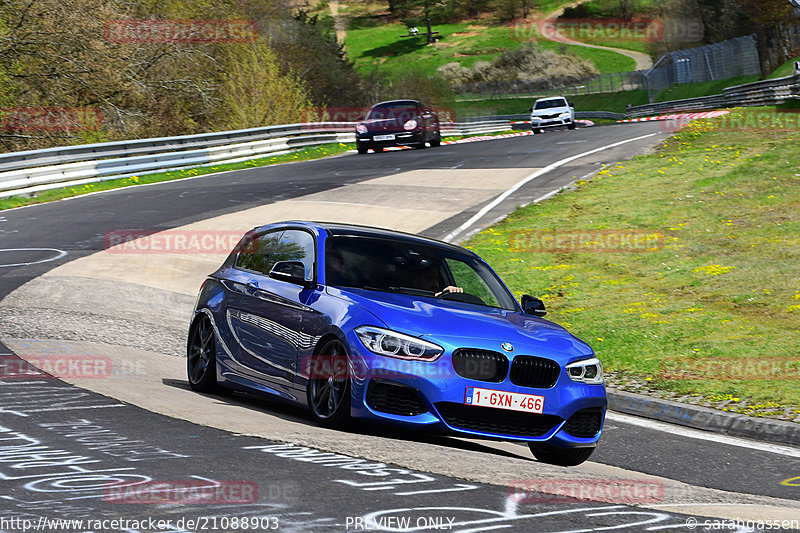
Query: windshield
pixel 549 104
pixel 408 268
pixel 399 112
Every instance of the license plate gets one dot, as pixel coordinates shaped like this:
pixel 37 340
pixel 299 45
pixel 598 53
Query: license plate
pixel 513 401
pixel 383 138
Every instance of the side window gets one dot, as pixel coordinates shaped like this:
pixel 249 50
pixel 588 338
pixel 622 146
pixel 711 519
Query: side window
pixel 465 277
pixel 295 245
pixel 254 254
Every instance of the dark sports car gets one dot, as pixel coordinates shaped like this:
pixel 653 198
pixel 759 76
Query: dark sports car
pixel 359 322
pixel 398 123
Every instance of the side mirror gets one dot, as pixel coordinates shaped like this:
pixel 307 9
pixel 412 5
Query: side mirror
pixel 291 271
pixel 530 109
pixel 532 306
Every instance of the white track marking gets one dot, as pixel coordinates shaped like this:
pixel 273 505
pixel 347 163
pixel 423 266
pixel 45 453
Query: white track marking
pixel 703 435
pixel 59 255
pixel 552 166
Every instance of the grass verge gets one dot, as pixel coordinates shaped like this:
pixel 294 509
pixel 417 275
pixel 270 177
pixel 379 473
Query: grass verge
pixel 616 102
pixel 723 290
pixel 703 88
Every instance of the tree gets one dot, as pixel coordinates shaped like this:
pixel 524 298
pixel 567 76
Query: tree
pixel 256 93
pixel 426 10
pixel 773 21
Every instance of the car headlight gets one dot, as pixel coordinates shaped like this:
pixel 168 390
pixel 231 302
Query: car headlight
pixel 410 125
pixel 394 344
pixel 564 115
pixel 361 128
pixel 588 371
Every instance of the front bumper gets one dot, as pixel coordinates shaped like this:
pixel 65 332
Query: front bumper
pixel 550 122
pixel 431 396
pixel 402 138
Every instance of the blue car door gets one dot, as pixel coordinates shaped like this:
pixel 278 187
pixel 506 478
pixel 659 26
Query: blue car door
pixel 269 318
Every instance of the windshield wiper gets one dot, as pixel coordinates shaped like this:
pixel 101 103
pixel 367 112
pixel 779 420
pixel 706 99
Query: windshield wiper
pixel 412 291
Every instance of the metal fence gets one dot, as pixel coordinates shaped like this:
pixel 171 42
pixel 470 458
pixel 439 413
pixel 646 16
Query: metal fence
pixel 719 61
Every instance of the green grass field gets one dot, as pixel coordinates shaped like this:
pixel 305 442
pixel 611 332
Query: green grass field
pixel 384 48
pixel 724 286
pixel 787 69
pixel 705 88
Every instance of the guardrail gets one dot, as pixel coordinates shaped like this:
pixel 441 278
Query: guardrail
pixel 758 93
pixel 37 170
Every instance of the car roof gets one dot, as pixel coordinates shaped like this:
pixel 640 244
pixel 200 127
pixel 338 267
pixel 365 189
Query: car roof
pixel 335 229
pixel 398 102
pixel 550 98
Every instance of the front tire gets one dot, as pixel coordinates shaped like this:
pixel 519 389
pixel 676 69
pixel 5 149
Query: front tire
pixel 536 130
pixel 437 141
pixel 571 125
pixel 328 389
pixel 545 453
pixel 201 358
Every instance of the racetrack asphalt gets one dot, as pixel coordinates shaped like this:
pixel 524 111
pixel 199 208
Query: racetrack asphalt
pixel 67 308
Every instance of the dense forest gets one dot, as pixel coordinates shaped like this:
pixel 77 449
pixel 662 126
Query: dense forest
pixel 75 71
pixel 249 63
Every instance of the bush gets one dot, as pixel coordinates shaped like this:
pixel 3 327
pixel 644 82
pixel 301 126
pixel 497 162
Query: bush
pixel 527 63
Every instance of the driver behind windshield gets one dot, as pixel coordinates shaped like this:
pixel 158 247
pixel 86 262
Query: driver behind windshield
pixel 432 281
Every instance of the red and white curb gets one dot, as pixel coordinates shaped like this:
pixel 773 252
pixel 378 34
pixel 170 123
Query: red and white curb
pixel 680 116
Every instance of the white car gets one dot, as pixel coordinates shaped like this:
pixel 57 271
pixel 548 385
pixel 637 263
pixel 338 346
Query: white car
pixel 551 112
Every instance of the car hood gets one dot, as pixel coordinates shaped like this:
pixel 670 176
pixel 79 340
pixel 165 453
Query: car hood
pixel 459 324
pixel 387 124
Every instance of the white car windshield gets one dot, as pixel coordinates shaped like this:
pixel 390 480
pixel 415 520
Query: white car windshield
pixel 548 104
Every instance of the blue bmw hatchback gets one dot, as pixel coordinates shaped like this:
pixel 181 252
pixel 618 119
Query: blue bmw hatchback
pixel 358 322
